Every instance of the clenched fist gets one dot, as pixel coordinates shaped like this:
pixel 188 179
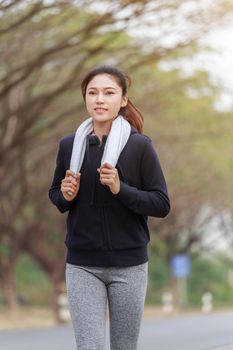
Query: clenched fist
pixel 109 176
pixel 71 184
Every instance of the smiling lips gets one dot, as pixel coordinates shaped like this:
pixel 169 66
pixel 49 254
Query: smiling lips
pixel 99 109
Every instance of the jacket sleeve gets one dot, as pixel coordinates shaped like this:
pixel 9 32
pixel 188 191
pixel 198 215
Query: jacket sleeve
pixel 55 193
pixel 152 198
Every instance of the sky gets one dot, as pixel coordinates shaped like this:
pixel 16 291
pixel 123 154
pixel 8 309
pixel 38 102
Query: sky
pixel 220 64
pixel 222 40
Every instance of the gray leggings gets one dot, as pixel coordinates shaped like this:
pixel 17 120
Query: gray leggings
pixel 89 288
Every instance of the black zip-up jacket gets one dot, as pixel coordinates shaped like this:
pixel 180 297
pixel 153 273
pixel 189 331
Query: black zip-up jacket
pixel 106 229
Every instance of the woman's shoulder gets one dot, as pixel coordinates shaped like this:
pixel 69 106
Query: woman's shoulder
pixel 67 140
pixel 140 139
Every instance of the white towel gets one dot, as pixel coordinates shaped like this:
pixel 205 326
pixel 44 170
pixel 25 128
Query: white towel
pixel 116 141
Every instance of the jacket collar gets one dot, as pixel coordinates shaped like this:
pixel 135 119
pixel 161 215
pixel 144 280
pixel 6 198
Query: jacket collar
pixel 94 140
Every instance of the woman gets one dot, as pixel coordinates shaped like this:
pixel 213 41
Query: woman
pixel 109 178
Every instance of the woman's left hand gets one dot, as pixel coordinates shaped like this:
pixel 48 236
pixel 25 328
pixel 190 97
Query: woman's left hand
pixel 109 176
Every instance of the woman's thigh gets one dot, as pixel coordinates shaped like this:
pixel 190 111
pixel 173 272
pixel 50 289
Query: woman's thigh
pixel 126 297
pixel 87 299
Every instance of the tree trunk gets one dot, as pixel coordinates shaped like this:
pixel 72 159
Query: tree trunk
pixel 57 290
pixel 9 288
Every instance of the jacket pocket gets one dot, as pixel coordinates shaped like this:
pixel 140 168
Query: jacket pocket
pixel 85 228
pixel 126 229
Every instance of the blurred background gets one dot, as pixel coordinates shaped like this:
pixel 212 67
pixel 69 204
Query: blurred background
pixel 179 55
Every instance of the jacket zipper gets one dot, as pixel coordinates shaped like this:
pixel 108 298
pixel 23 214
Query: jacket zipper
pixel 107 240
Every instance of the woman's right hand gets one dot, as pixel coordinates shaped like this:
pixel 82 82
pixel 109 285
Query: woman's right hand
pixel 71 184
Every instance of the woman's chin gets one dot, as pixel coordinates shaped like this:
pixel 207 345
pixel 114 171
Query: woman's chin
pixel 102 118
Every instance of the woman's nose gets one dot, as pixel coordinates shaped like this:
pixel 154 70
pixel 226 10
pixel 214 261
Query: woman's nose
pixel 99 98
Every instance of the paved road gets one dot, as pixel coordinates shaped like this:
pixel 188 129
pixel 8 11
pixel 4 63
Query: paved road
pixel 198 332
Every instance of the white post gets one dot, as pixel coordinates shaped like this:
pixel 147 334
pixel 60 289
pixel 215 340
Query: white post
pixel 63 308
pixel 167 300
pixel 207 302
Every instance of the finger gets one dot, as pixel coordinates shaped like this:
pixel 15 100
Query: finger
pixel 107 165
pixel 71 173
pixel 107 177
pixel 75 179
pixel 105 183
pixel 71 178
pixel 106 171
pixel 68 189
pixel 68 181
pixel 68 185
pixel 107 180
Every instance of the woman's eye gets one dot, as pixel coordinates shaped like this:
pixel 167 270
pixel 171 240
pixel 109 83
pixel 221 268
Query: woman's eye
pixel 94 93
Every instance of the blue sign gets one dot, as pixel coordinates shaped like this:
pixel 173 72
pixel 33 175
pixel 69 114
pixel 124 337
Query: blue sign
pixel 180 265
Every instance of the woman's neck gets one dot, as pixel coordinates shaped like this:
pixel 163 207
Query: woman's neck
pixel 100 129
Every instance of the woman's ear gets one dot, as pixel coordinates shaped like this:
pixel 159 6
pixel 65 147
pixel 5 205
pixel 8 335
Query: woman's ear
pixel 124 101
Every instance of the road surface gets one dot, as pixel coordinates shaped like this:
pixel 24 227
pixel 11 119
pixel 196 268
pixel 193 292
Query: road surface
pixel 192 332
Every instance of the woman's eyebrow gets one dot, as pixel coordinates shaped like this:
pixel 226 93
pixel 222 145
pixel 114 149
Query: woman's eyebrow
pixel 108 87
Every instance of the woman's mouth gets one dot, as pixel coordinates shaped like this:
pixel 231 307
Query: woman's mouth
pixel 100 110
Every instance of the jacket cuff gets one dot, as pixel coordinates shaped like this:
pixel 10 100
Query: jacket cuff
pixel 64 203
pixel 127 193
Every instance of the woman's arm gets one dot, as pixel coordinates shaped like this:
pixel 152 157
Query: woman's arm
pixel 55 193
pixel 152 199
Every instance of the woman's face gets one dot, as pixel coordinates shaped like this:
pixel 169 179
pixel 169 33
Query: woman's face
pixel 104 98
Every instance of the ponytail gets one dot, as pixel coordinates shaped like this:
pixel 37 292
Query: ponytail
pixel 133 116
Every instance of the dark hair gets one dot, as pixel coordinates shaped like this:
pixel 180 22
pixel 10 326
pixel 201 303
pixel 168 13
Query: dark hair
pixel 129 112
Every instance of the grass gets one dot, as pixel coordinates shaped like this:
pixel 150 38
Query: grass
pixel 31 282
